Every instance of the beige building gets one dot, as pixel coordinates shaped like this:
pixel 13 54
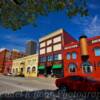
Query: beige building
pixel 26 66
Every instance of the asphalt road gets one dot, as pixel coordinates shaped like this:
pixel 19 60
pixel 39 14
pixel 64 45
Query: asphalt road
pixel 10 84
pixel 17 88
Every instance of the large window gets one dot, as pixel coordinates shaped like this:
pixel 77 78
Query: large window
pixel 97 51
pixel 42 59
pixel 74 55
pixel 50 58
pixel 68 56
pixel 87 67
pixel 72 67
pixel 58 57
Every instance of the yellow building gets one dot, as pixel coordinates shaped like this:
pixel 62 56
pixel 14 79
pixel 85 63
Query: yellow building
pixel 26 66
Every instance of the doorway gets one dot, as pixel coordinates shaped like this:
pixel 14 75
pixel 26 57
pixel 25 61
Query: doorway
pixel 49 70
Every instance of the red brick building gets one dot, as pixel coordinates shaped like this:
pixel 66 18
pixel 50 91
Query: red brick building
pixel 2 59
pixel 6 57
pixel 83 57
pixel 50 53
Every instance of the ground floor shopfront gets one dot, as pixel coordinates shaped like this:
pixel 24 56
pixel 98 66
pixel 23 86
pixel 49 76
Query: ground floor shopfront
pixel 56 70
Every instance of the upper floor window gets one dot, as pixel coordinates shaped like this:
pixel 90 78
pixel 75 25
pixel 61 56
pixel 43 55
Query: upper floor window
pixel 72 67
pixel 49 49
pixel 42 59
pixel 49 42
pixel 42 51
pixel 97 51
pixel 58 57
pixel 42 44
pixel 68 56
pixel 50 58
pixel 57 39
pixel 57 47
pixel 74 55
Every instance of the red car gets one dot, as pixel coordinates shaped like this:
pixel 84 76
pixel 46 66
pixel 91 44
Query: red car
pixel 78 83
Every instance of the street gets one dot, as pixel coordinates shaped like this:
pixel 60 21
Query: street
pixel 9 84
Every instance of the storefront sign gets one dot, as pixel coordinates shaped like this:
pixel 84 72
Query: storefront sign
pixel 95 41
pixel 70 47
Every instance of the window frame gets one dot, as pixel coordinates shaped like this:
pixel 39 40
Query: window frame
pixel 56 57
pixel 68 53
pixel 96 52
pixel 74 55
pixel 86 71
pixel 69 66
pixel 49 58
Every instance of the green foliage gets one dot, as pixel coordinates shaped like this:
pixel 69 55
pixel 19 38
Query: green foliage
pixel 16 13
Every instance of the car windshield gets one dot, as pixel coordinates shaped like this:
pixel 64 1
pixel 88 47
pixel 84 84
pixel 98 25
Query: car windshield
pixel 76 78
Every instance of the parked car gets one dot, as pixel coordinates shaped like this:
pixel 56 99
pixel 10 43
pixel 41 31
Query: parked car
pixel 78 83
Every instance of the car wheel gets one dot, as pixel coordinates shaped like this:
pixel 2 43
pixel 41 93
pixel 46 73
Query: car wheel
pixel 64 88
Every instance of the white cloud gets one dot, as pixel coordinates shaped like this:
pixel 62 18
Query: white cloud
pixel 93 29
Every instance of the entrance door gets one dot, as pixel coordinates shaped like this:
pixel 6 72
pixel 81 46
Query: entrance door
pixel 48 70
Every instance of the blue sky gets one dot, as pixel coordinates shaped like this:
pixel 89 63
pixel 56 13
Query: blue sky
pixel 46 24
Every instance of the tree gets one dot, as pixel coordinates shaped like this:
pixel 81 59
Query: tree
pixel 16 13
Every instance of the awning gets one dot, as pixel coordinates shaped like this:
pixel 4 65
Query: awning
pixel 41 67
pixel 56 66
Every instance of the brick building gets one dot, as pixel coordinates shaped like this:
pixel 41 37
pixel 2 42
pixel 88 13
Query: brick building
pixel 50 53
pixel 83 57
pixel 2 59
pixel 6 57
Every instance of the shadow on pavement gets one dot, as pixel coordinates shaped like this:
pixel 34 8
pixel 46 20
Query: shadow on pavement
pixel 51 95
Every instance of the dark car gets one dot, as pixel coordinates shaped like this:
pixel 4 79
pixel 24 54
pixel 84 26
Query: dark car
pixel 78 83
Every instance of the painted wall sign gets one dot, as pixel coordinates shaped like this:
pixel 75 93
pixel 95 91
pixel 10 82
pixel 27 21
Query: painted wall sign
pixel 96 41
pixel 70 47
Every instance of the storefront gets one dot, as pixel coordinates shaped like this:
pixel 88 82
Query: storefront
pixel 57 70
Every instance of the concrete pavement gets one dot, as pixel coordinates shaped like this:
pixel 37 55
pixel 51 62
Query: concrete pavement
pixel 9 84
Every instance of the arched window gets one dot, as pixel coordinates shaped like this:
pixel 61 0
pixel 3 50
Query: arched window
pixel 74 55
pixel 28 70
pixel 68 56
pixel 97 51
pixel 33 69
pixel 72 67
pixel 87 67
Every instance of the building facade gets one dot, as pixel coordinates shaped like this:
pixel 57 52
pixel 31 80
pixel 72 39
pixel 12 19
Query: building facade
pixel 83 57
pixel 31 47
pixel 6 57
pixel 50 53
pixel 26 66
pixel 2 59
